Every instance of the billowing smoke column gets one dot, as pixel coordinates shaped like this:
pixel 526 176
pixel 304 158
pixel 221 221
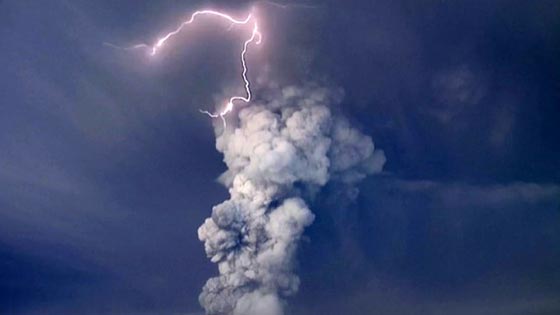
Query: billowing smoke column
pixel 283 149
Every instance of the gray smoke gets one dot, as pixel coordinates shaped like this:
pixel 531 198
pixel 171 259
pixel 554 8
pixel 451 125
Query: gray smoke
pixel 280 152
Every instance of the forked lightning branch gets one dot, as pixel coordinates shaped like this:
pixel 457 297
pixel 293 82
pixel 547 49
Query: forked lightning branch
pixel 254 38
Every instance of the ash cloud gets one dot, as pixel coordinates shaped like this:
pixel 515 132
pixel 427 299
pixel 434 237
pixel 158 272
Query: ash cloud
pixel 281 151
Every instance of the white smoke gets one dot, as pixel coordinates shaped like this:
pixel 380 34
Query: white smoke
pixel 283 149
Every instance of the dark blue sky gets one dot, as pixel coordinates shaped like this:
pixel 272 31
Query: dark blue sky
pixel 107 168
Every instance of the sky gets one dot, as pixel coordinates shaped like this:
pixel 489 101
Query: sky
pixel 107 167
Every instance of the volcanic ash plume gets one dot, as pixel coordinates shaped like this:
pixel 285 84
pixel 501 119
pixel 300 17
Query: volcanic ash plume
pixel 282 151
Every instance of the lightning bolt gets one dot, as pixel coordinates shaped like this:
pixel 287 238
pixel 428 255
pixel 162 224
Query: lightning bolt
pixel 256 38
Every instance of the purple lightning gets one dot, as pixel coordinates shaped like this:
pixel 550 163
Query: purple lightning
pixel 255 37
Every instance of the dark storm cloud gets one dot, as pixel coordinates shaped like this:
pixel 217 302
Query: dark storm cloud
pixel 457 89
pixel 494 196
pixel 428 247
